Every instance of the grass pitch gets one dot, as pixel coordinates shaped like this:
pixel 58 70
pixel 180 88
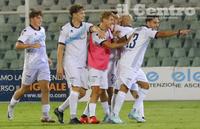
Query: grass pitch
pixel 159 115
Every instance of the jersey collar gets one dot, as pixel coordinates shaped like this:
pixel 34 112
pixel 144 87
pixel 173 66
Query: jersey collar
pixel 75 26
pixel 35 28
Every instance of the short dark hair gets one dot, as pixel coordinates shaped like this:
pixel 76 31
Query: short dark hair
pixel 35 13
pixel 106 15
pixel 75 8
pixel 150 17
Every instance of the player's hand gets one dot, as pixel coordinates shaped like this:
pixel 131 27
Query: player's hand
pixel 60 72
pixel 36 45
pixel 50 61
pixel 101 34
pixel 116 33
pixel 184 31
pixel 130 37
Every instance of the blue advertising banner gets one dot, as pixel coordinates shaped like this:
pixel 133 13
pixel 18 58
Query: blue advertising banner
pixel 10 80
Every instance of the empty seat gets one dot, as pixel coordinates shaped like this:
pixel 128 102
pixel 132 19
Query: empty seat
pixel 2 19
pixel 53 27
pixel 14 4
pixel 48 18
pixel 175 43
pixel 183 62
pixel 159 43
pixel 64 4
pixel 94 17
pixel 51 45
pixel 194 52
pixel 168 62
pixel 179 52
pixel 164 52
pixel 10 55
pixel 48 3
pixel 6 28
pixel 17 64
pixel 197 35
pixel 150 53
pixel 196 62
pixel 3 64
pixel 153 62
pixel 62 19
pixel 189 44
pixel 82 2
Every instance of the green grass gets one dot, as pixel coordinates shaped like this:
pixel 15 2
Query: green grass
pixel 159 115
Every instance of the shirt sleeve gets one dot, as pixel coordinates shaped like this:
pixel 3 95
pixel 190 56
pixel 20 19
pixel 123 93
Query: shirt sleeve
pixel 23 36
pixel 151 33
pixel 63 36
pixel 96 39
pixel 88 26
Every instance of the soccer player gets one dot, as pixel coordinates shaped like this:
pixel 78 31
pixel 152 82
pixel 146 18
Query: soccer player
pixel 73 39
pixel 36 64
pixel 130 63
pixel 98 59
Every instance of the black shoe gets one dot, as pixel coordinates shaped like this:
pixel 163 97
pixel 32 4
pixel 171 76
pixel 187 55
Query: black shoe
pixel 59 115
pixel 74 121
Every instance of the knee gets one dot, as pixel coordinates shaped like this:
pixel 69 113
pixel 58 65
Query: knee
pixel 82 93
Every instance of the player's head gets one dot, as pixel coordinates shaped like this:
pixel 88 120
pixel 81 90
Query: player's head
pixel 77 12
pixel 35 17
pixel 153 21
pixel 107 18
pixel 116 17
pixel 126 20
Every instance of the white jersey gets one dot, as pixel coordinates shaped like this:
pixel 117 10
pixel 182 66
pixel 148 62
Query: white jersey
pixel 75 40
pixel 34 57
pixel 134 51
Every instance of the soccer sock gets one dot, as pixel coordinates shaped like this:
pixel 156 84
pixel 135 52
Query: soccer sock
pixel 113 101
pixel 142 94
pixel 64 105
pixel 73 102
pixel 110 108
pixel 92 109
pixel 119 102
pixel 86 111
pixel 45 110
pixel 105 107
pixel 142 109
pixel 13 102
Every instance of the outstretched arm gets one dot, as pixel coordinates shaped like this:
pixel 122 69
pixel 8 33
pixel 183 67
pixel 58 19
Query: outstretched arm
pixel 163 34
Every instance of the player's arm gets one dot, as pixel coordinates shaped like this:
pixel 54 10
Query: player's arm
pixel 60 50
pixel 163 34
pixel 21 45
pixel 118 43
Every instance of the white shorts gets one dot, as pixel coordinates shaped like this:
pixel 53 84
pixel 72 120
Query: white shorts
pixel 98 78
pixel 31 75
pixel 112 66
pixel 129 77
pixel 76 76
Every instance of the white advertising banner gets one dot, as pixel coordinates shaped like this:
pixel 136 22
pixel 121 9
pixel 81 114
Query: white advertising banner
pixel 173 83
pixel 170 83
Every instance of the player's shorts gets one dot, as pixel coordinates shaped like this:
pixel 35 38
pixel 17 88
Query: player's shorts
pixel 129 77
pixel 76 76
pixel 31 75
pixel 98 78
pixel 112 66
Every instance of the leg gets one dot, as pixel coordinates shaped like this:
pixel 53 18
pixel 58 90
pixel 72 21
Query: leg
pixel 104 103
pixel 15 99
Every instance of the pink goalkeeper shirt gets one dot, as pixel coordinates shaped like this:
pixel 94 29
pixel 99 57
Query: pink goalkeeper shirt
pixel 98 55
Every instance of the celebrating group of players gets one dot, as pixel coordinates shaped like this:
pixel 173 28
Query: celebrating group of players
pixel 110 60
